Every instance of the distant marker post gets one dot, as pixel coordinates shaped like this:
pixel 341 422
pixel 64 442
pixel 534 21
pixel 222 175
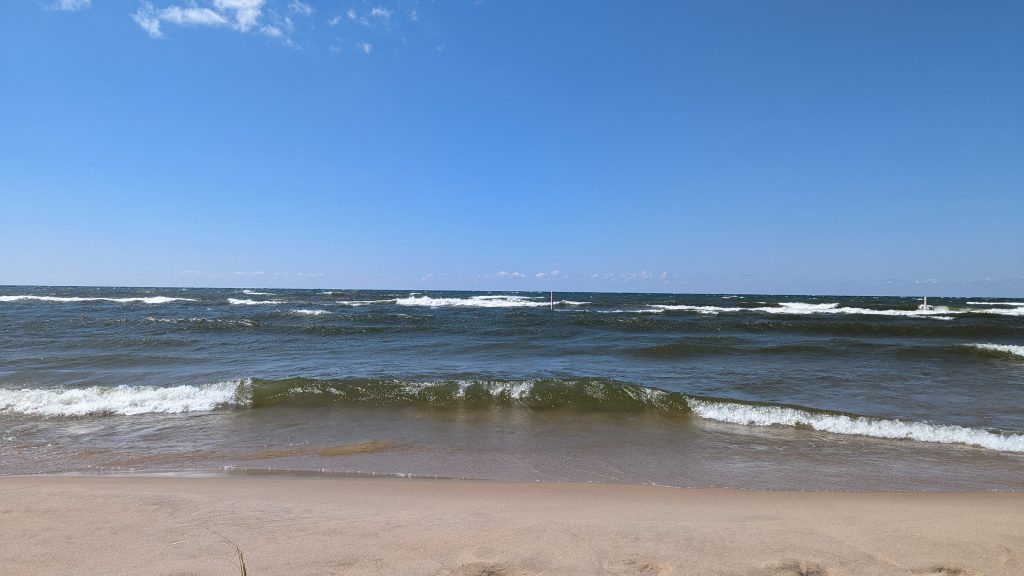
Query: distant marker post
pixel 552 299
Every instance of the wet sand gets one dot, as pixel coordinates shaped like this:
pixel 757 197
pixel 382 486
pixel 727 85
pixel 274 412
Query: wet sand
pixel 317 525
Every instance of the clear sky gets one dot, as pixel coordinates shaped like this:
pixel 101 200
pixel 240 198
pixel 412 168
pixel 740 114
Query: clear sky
pixel 871 147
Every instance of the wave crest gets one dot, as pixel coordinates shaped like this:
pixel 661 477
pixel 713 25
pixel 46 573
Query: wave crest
pixel 132 299
pixel 767 415
pixel 126 400
pixel 999 349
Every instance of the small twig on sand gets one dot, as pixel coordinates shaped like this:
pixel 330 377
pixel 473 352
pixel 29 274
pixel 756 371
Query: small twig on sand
pixel 238 551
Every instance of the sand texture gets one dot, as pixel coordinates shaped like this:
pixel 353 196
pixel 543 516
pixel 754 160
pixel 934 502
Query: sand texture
pixel 308 525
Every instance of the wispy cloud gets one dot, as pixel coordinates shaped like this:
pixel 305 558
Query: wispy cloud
pixel 238 15
pixel 504 274
pixel 550 275
pixel 299 7
pixel 69 5
pixel 354 16
pixel 381 14
pixel 365 47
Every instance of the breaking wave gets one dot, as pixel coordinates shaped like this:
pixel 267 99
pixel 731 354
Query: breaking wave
pixel 488 301
pixel 581 394
pixel 133 299
pixel 127 400
pixel 768 415
pixel 1000 349
pixel 313 312
pixel 799 308
pixel 246 302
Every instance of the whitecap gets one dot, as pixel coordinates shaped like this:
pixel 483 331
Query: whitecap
pixel 737 413
pixel 127 400
pixel 1005 348
pixel 314 312
pixel 132 299
pixel 245 302
pixel 489 301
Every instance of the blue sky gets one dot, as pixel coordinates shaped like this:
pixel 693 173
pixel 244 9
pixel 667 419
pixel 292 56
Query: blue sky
pixel 870 147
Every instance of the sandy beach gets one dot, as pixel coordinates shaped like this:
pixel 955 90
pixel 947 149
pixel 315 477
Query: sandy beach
pixel 308 525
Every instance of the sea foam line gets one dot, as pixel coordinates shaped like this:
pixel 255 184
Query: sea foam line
pixel 139 299
pixel 127 400
pixel 737 413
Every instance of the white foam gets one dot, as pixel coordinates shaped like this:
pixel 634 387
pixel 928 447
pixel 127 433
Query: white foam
pixel 1004 311
pixel 245 302
pixel 803 308
pixel 127 400
pixel 736 413
pixel 255 293
pixel 365 302
pixel 490 301
pixel 1006 348
pixel 315 312
pixel 225 321
pixel 996 303
pixel 139 299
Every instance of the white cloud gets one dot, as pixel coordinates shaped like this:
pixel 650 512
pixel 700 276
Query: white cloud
pixel 300 7
pixel 366 47
pixel 238 15
pixel 382 14
pixel 247 12
pixel 271 31
pixel 504 274
pixel 553 274
pixel 192 16
pixel 414 15
pixel 334 21
pixel 355 17
pixel 70 5
pixel 148 19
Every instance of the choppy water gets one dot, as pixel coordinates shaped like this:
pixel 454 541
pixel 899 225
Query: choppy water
pixel 808 392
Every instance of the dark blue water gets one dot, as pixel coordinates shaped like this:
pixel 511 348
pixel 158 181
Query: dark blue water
pixel 678 389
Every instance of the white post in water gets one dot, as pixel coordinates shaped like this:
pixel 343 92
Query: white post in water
pixel 552 299
pixel 925 305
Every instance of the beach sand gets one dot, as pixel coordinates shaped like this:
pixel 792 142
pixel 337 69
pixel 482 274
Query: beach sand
pixel 316 525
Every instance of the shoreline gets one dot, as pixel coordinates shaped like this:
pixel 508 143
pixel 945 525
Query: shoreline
pixel 301 524
pixel 299 473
